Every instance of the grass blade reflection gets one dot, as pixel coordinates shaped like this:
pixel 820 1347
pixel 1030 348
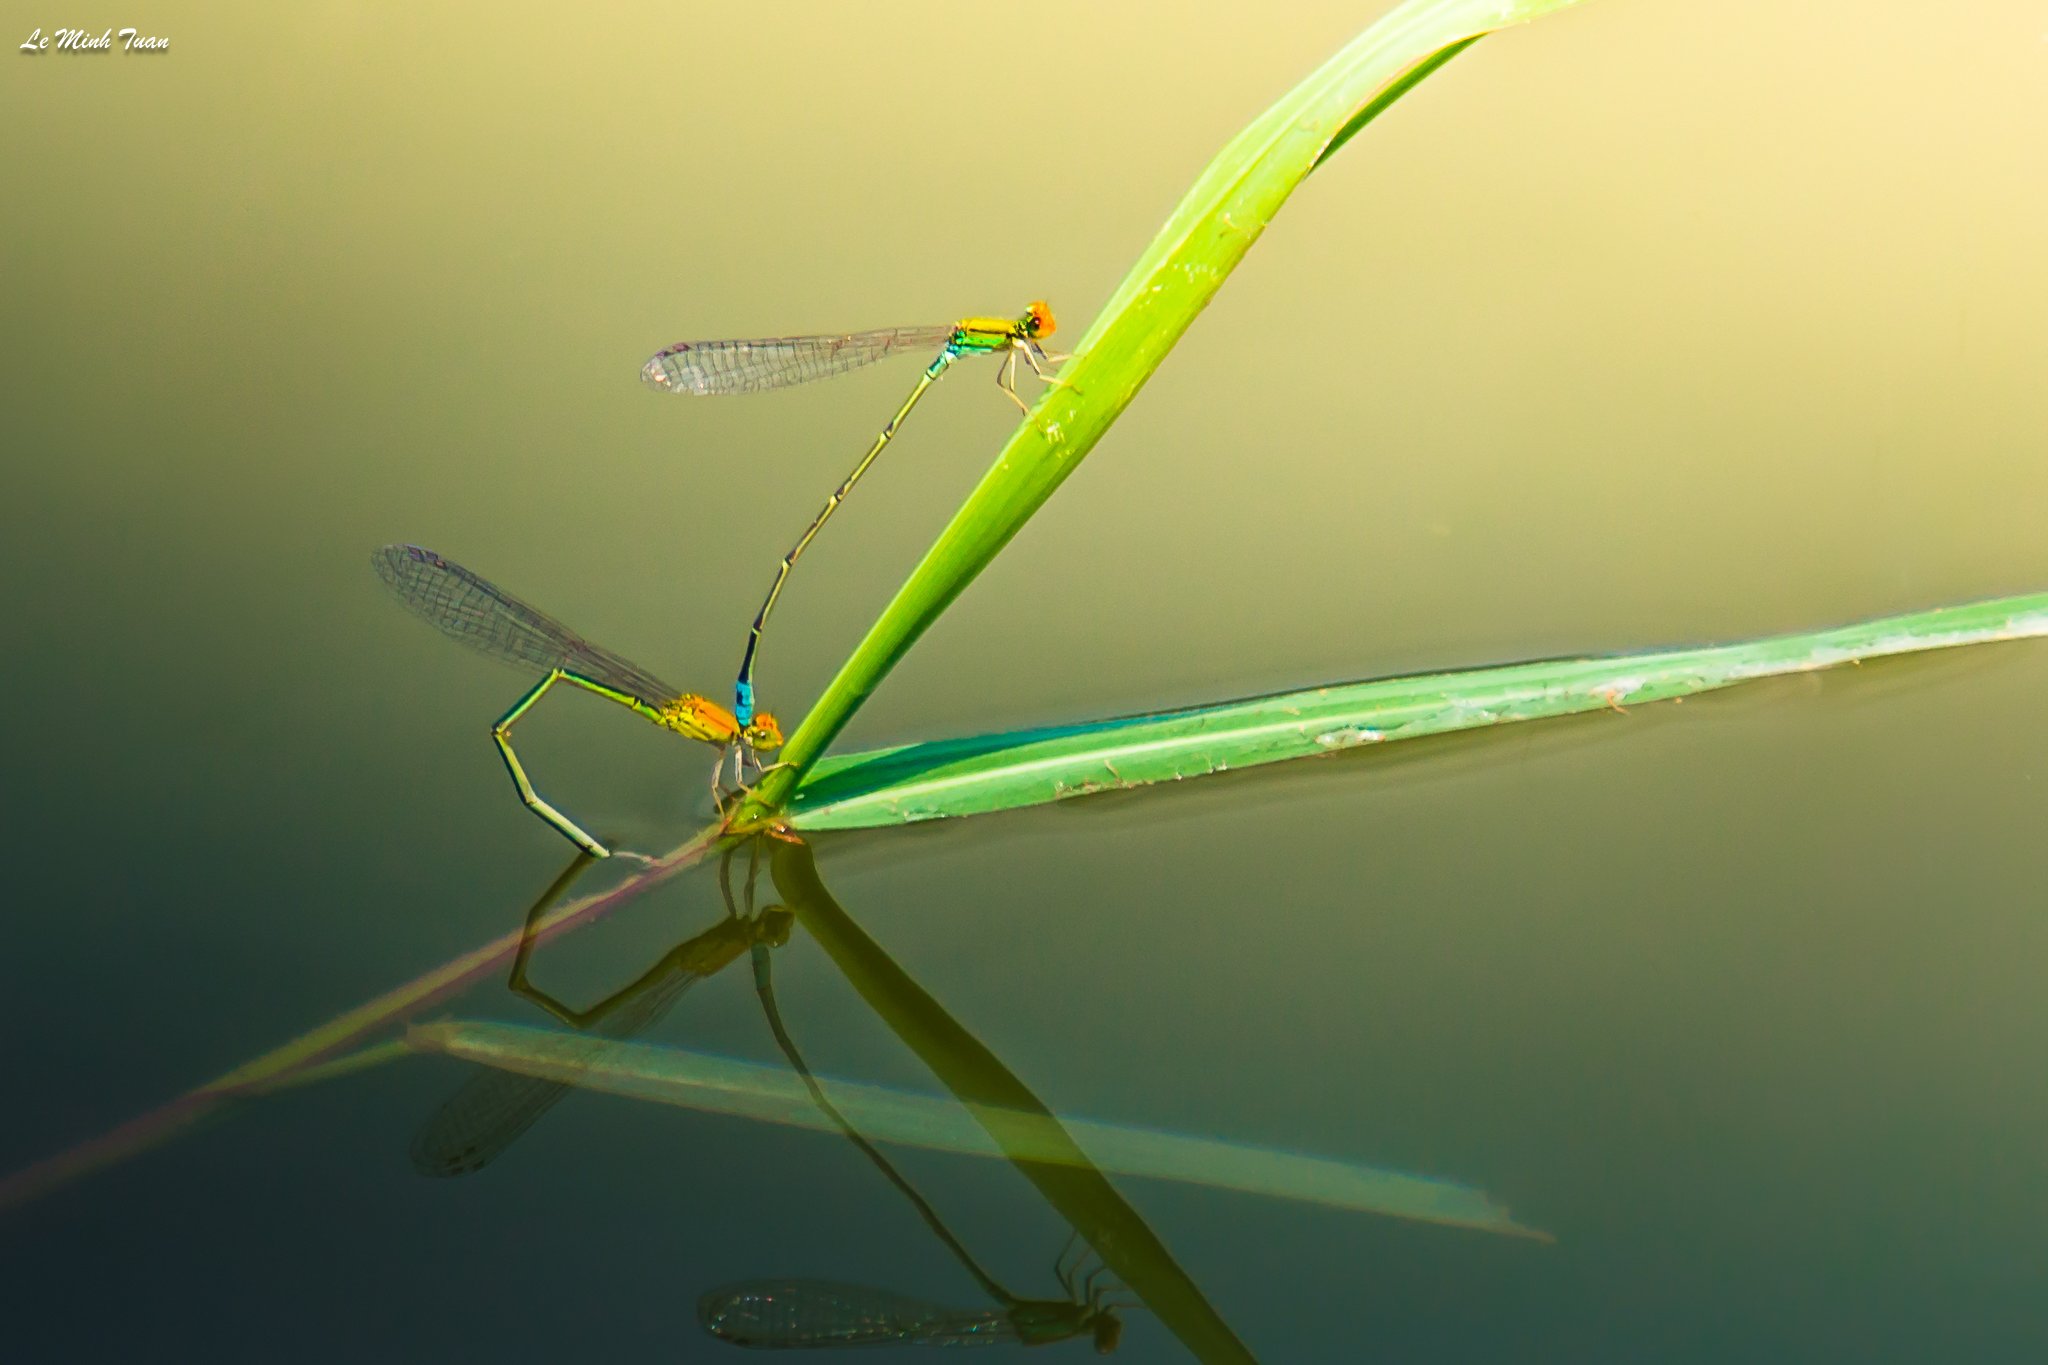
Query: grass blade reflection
pixel 721 1085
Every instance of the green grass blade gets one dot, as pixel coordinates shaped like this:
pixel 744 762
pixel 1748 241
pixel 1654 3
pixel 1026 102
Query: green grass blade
pixel 1028 768
pixel 1210 232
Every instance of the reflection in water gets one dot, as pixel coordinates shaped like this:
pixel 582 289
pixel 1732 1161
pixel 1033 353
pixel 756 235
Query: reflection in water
pixel 975 1076
pixel 989 1111
pixel 1046 1143
pixel 492 1109
pixel 824 1313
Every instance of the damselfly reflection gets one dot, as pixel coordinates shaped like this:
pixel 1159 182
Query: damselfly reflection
pixel 786 1314
pixel 798 1313
pixel 492 1109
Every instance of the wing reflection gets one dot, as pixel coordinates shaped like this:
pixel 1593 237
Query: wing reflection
pixel 493 1108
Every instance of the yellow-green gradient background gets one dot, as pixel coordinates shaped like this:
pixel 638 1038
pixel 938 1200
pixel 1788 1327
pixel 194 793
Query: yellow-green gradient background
pixel 1655 322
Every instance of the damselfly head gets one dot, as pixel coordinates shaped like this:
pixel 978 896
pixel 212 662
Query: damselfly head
pixel 762 732
pixel 1037 319
pixel 1109 1329
pixel 773 926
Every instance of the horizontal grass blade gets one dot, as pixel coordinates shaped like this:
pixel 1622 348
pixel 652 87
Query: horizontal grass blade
pixel 1032 767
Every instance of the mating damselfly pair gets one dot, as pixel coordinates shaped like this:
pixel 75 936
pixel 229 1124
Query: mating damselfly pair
pixel 478 613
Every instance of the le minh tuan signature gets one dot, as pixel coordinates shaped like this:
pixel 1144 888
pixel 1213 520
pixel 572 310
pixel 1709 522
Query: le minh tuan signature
pixel 79 40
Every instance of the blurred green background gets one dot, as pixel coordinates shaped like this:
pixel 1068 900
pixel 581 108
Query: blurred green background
pixel 1654 322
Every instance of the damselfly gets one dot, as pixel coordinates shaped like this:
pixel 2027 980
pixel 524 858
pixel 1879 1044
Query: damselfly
pixel 709 367
pixel 477 613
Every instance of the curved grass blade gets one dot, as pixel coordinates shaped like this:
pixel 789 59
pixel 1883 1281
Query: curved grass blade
pixel 1210 232
pixel 1032 767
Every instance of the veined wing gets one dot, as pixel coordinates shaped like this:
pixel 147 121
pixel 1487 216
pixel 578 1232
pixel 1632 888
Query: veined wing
pixel 795 1313
pixel 493 1108
pixel 703 367
pixel 491 621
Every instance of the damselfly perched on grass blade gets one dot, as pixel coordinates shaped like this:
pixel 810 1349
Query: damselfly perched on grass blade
pixel 714 367
pixel 491 621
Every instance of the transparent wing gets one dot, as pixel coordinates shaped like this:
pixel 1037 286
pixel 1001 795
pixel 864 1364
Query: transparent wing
pixel 703 367
pixel 796 1313
pixel 493 1108
pixel 479 614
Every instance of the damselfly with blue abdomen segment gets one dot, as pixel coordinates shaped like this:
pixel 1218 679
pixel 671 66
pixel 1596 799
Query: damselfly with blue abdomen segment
pixel 477 613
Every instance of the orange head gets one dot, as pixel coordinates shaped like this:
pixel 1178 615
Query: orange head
pixel 1037 320
pixel 762 732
